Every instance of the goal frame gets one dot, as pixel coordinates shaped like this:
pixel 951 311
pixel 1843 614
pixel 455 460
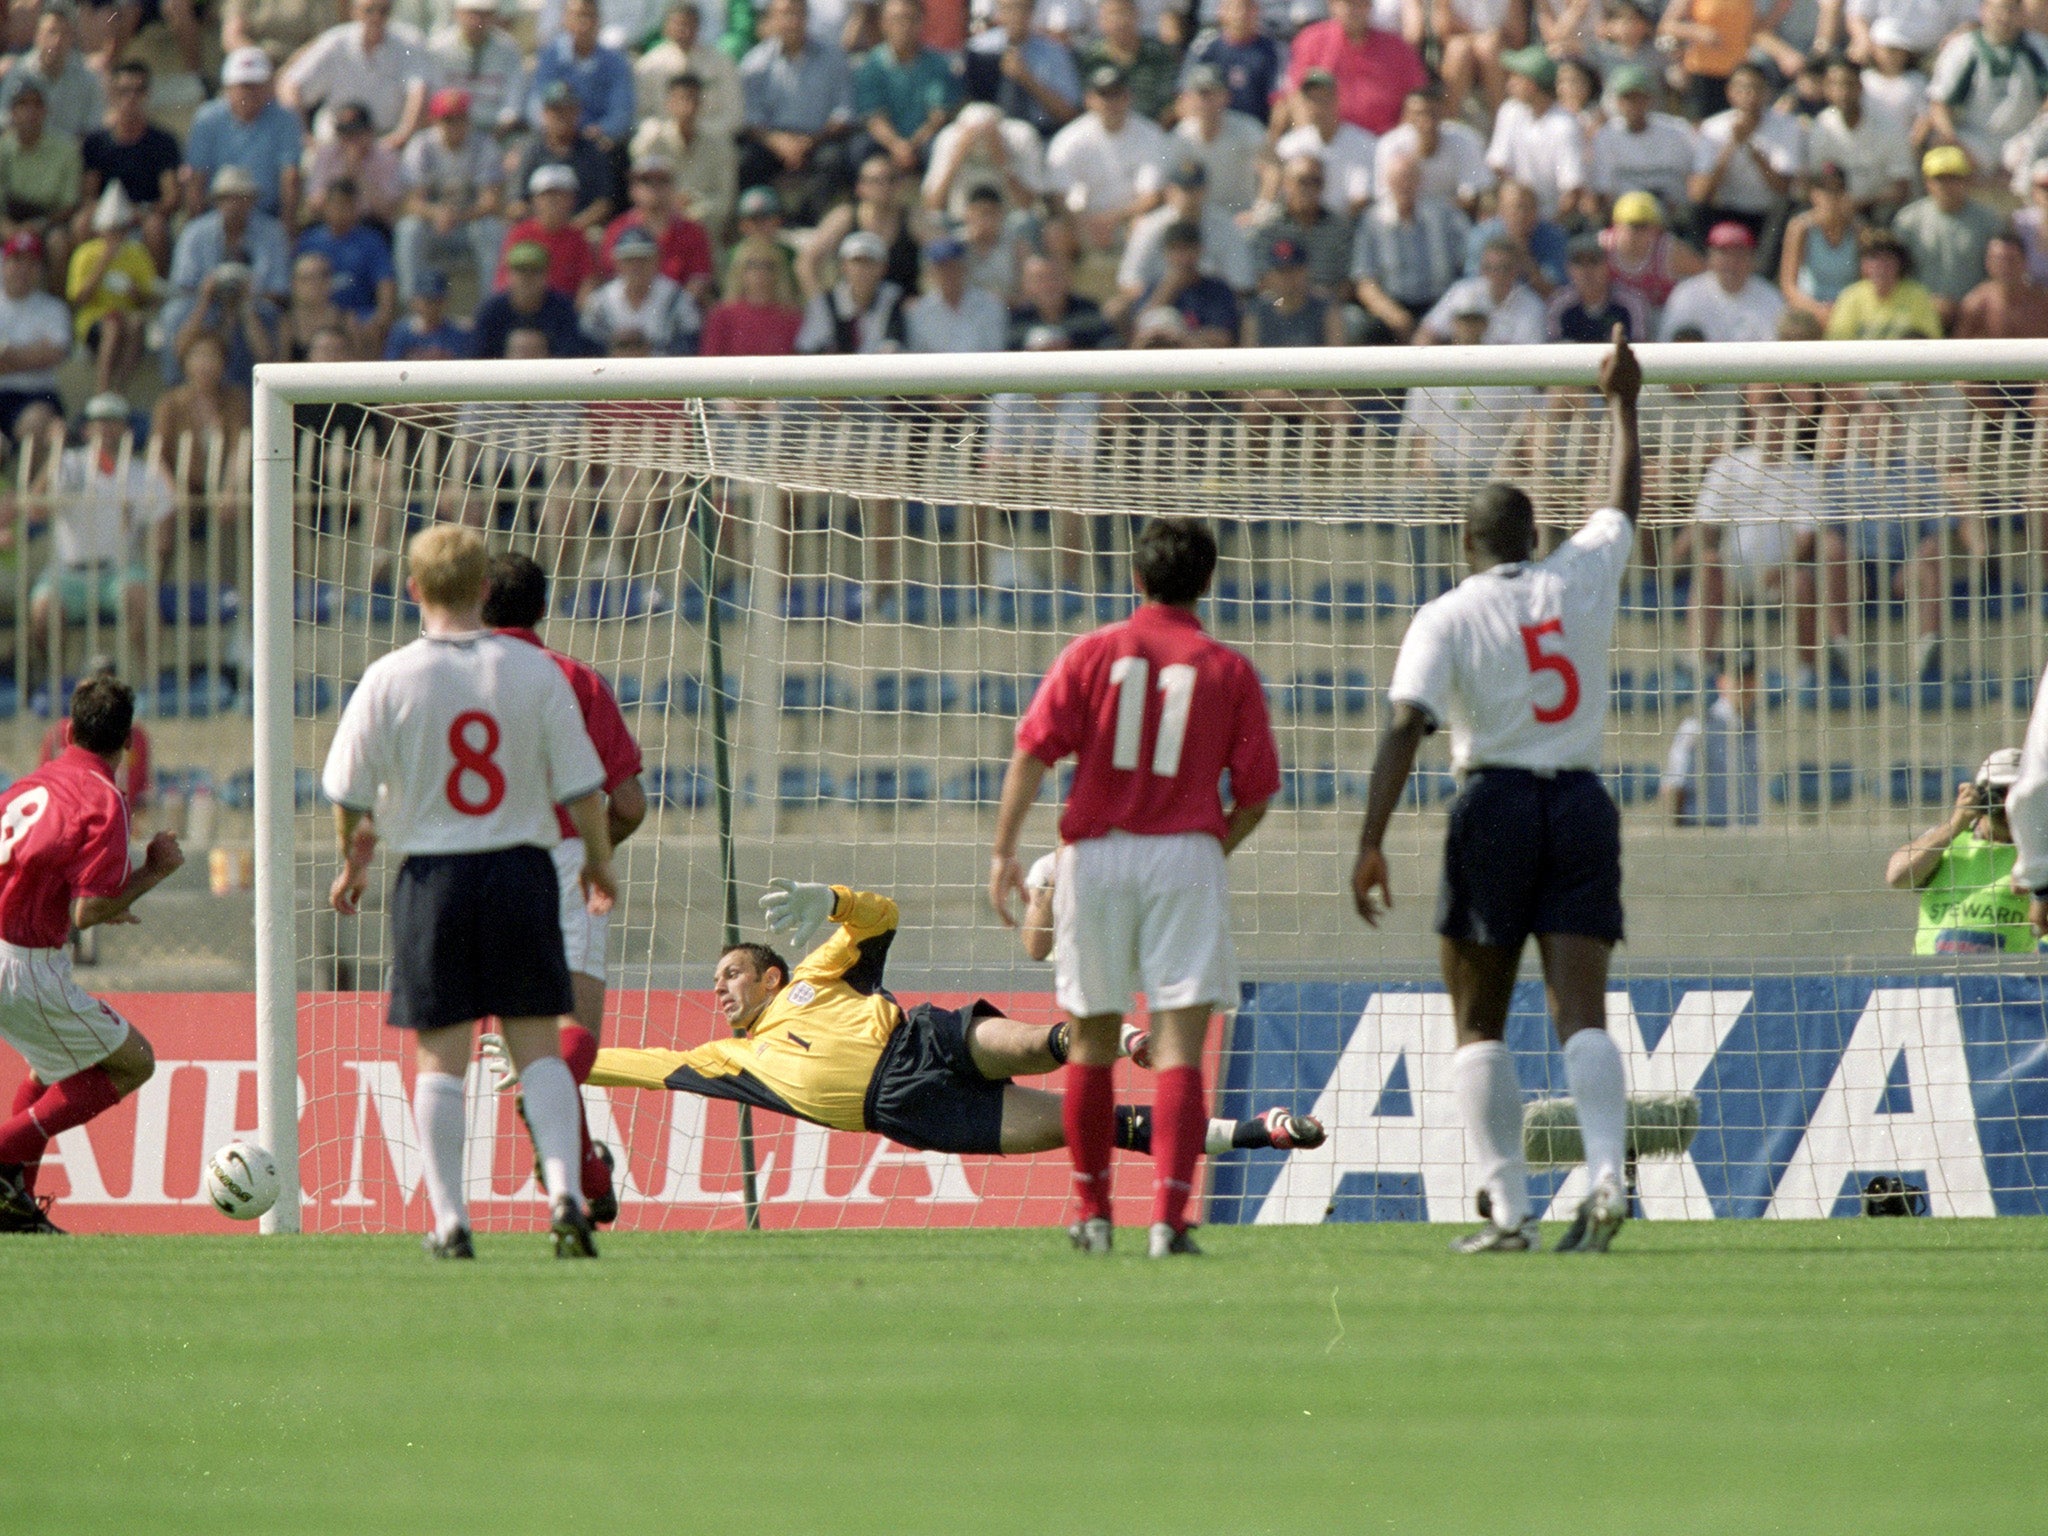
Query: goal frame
pixel 278 387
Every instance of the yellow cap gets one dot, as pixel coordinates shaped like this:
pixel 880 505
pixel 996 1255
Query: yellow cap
pixel 1944 160
pixel 1637 208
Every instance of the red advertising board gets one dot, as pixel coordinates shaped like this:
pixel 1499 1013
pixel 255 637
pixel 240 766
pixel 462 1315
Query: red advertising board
pixel 137 1168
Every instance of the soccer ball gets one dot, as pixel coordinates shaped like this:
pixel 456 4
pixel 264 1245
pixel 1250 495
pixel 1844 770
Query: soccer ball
pixel 241 1180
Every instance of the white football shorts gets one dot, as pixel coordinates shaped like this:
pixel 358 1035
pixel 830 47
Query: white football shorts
pixel 585 939
pixel 57 1026
pixel 1143 915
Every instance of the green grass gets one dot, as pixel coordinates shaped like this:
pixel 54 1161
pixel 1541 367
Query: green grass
pixel 1860 1377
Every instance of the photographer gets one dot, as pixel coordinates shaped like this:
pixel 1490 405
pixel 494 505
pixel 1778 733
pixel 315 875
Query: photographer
pixel 1963 871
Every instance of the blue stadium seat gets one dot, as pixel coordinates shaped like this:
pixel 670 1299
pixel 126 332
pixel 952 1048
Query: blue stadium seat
pixel 683 789
pixel 1930 786
pixel 1809 786
pixel 311 695
pixel 977 784
pixel 1307 788
pixel 820 598
pixel 314 602
pixel 914 693
pixel 808 690
pixel 2021 691
pixel 1114 607
pixel 1315 693
pixel 1354 602
pixel 910 784
pixel 998 693
pixel 203 604
pixel 1355 695
pixel 797 786
pixel 944 606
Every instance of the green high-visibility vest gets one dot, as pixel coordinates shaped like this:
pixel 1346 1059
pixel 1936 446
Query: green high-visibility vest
pixel 1970 907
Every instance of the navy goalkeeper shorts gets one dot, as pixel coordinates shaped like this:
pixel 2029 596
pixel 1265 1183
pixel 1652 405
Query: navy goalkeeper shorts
pixel 1531 853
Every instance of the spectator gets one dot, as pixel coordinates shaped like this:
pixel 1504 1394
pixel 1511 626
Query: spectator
pixel 1891 80
pixel 1643 253
pixel 1407 252
pixel 372 59
pixel 1946 232
pixel 904 92
pixel 1344 150
pixel 1963 871
pixel 2009 303
pixel 35 336
pixel 1539 244
pixel 1987 84
pixel 1728 301
pixel 682 51
pixel 365 281
pixel 996 246
pixel 798 107
pixel 705 164
pixel 877 207
pixel 1916 26
pixel 599 77
pixel 862 313
pixel 758 216
pixel 1536 141
pixel 1514 314
pixel 1589 308
pixel 2031 223
pixel 561 143
pixel 426 332
pixel 1207 308
pixel 472 54
pixel 355 154
pixel 1638 150
pixel 1470 33
pixel 1305 217
pixel 1373 70
pixel 1465 434
pixel 573 264
pixel 529 302
pixel 1885 304
pixel 1711 38
pixel 234 230
pixel 1748 156
pixel 73 98
pixel 311 309
pixel 682 246
pixel 1628 40
pixel 1870 145
pixel 131 150
pixel 40 177
pixel 207 405
pixel 101 512
pixel 1711 777
pixel 1820 258
pixel 643 301
pixel 1450 153
pixel 246 129
pixel 1287 313
pixel 759 317
pixel 1245 59
pixel 1025 73
pixel 982 148
pixel 112 287
pixel 1147 64
pixel 1046 300
pixel 455 198
pixel 1228 145
pixel 951 315
pixel 1226 254
pixel 1109 163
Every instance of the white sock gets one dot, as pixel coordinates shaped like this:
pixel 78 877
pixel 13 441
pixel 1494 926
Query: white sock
pixel 437 1111
pixel 1490 1098
pixel 1218 1139
pixel 1592 1066
pixel 1126 1032
pixel 551 1114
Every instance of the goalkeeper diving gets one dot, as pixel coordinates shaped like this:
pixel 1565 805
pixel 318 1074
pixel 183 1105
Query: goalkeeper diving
pixel 825 1041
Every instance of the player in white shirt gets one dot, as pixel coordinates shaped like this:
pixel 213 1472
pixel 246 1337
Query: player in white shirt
pixel 456 749
pixel 1514 660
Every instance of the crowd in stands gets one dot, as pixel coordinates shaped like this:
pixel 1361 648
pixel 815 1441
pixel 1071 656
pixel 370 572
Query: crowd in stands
pixel 191 187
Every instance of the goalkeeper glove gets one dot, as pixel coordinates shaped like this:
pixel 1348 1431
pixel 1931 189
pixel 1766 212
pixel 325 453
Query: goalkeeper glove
pixel 797 911
pixel 497 1060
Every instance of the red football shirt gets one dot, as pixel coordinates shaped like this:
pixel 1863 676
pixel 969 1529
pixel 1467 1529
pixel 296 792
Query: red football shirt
pixel 58 737
pixel 63 834
pixel 1153 710
pixel 616 748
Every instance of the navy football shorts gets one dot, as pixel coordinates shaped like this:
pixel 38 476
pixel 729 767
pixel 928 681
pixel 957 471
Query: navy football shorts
pixel 1529 853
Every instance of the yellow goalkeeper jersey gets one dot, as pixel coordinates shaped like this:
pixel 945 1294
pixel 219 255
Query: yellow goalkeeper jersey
pixel 815 1046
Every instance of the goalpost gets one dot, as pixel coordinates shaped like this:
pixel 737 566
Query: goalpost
pixel 825 588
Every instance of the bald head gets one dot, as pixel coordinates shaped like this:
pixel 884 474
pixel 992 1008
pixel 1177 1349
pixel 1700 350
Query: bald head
pixel 1500 523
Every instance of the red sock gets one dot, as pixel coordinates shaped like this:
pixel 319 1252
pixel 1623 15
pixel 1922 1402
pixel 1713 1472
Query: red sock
pixel 1180 1124
pixel 1088 1111
pixel 579 1054
pixel 57 1108
pixel 579 1051
pixel 26 1092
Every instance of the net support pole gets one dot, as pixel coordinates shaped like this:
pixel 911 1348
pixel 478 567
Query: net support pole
pixel 721 786
pixel 277 1021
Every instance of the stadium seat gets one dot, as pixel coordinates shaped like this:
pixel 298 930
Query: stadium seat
pixel 797 787
pixel 1809 786
pixel 1353 602
pixel 311 695
pixel 203 603
pixel 999 694
pixel 943 606
pixel 910 784
pixel 314 602
pixel 1307 788
pixel 977 784
pixel 808 690
pixel 914 693
pixel 822 598
pixel 682 789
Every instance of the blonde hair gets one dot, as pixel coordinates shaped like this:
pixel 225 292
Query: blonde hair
pixel 448 561
pixel 759 247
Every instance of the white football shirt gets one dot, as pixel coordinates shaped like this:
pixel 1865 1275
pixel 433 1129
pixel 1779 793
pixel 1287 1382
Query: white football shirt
pixel 1514 659
pixel 462 744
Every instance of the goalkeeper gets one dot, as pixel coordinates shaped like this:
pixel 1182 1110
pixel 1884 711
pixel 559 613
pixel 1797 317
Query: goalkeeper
pixel 826 1042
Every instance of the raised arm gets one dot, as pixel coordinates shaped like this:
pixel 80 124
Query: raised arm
pixel 1915 864
pixel 1621 381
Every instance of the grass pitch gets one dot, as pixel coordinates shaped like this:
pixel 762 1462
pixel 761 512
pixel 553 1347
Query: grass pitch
pixel 1862 1377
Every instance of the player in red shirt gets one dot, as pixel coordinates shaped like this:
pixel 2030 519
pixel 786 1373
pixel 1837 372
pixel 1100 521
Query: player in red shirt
pixel 514 604
pixel 1142 900
pixel 135 778
pixel 64 861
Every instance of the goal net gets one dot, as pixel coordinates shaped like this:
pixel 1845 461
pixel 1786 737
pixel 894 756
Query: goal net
pixel 824 591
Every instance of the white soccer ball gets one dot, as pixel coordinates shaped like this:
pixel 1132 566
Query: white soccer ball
pixel 241 1180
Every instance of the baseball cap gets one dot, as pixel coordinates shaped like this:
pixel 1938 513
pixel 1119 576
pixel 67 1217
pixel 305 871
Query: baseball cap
pixel 1944 160
pixel 246 66
pixel 653 163
pixel 430 284
pixel 1638 208
pixel 756 202
pixel 1044 338
pixel 1286 253
pixel 448 102
pixel 527 253
pixel 1107 77
pixel 551 178
pixel 945 248
pixel 559 93
pixel 1161 320
pixel 633 242
pixel 1533 63
pixel 233 181
pixel 1318 77
pixel 107 407
pixel 1729 235
pixel 1887 33
pixel 1190 174
pixel 1204 77
pixel 863 245
pixel 2001 770
pixel 25 243
pixel 477 5
pixel 1629 78
pixel 1585 248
